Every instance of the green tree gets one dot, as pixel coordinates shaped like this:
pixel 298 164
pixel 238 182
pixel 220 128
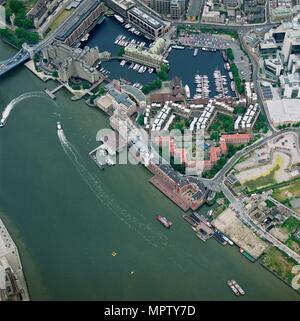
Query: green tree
pixel 214 135
pixel 101 90
pixel 230 54
pixel 55 74
pixel 121 51
pixel 86 84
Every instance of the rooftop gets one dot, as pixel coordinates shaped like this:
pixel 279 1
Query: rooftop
pixel 154 22
pixel 284 110
pixel 87 8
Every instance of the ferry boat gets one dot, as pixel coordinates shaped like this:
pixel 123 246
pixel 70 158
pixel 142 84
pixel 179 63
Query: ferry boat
pixel 2 122
pixel 237 286
pixel 164 221
pixel 58 125
pixel 178 47
pixel 187 91
pixel 233 288
pixel 120 19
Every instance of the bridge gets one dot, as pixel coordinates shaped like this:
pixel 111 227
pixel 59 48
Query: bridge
pixel 19 58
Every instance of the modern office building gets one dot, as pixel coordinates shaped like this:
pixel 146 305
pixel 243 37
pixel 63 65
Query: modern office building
pixel 150 25
pixel 274 66
pixel 120 6
pixel 193 10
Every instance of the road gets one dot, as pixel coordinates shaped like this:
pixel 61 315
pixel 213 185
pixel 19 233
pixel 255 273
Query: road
pixel 241 211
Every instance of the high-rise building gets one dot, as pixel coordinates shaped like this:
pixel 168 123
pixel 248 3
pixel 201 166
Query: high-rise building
pixel 174 8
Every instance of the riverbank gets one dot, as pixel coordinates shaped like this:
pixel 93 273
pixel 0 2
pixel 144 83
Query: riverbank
pixel 11 268
pixel 71 226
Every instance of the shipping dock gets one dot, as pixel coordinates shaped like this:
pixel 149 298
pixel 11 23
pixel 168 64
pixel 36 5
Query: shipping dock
pixel 200 225
pixel 218 236
pixel 101 157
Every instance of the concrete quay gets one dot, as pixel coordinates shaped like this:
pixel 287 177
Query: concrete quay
pixel 12 281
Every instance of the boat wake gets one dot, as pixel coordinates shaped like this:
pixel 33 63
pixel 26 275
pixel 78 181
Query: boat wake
pixel 8 109
pixel 155 238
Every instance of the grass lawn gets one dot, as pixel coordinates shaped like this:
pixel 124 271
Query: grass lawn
pixel 30 4
pixel 291 225
pixel 279 263
pixel 290 191
pixel 294 244
pixel 262 181
pixel 63 16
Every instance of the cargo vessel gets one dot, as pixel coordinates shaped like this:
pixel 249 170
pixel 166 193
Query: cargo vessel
pixel 227 240
pixel 233 288
pixel 165 222
pixel 247 255
pixel 237 286
pixel 218 236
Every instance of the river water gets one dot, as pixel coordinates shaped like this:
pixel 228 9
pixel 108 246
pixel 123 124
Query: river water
pixel 67 216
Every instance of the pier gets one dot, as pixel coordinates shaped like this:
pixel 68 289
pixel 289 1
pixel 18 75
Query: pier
pixel 51 93
pixel 200 226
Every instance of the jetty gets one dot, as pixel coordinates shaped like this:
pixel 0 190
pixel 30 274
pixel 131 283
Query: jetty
pixel 51 93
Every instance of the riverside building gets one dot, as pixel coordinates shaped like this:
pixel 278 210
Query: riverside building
pixel 150 25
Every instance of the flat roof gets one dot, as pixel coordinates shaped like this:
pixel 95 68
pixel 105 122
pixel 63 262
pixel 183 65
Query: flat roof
pixel 87 8
pixel 284 110
pixel 194 8
pixel 154 22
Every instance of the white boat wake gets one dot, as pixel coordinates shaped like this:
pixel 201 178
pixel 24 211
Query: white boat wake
pixel 155 238
pixel 8 109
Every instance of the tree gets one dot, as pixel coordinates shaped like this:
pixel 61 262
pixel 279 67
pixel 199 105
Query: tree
pixel 240 110
pixel 75 86
pixel 140 120
pixel 121 51
pixel 214 135
pixel 55 74
pixel 86 84
pixel 230 54
pixel 101 91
